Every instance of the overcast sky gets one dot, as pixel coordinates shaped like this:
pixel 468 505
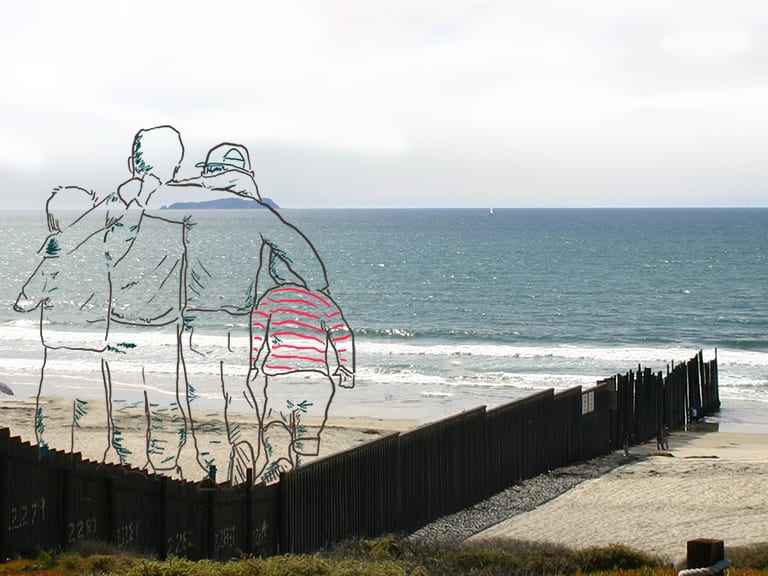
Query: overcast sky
pixel 398 104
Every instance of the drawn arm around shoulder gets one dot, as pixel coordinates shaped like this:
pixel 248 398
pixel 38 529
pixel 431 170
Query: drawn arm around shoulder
pixel 295 250
pixel 233 181
pixel 121 230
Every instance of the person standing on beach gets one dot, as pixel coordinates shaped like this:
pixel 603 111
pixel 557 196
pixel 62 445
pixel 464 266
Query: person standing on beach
pixel 57 290
pixel 223 281
pixel 96 238
pixel 297 334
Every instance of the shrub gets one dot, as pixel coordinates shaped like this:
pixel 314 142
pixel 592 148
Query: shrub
pixel 45 559
pixel 665 571
pixel 74 563
pixel 102 563
pixel 182 567
pixel 297 566
pixel 362 568
pixel 97 548
pixel 754 556
pixel 507 557
pixel 614 557
pixel 384 548
pixel 391 556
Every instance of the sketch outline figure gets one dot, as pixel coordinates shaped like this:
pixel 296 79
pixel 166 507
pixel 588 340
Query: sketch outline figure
pixel 174 286
pixel 227 168
pixel 283 246
pixel 155 158
pixel 104 231
pixel 295 330
pixel 46 289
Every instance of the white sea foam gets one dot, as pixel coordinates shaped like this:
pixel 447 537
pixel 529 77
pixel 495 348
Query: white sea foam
pixel 151 341
pixel 625 355
pixel 26 332
pixel 26 323
pixel 628 355
pixel 436 394
pixel 441 366
pixel 522 380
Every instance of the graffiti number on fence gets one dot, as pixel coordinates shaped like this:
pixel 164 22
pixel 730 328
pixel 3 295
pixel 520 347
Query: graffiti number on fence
pixel 81 530
pixel 224 538
pixel 127 534
pixel 26 515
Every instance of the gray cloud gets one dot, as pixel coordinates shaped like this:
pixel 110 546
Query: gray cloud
pixel 432 103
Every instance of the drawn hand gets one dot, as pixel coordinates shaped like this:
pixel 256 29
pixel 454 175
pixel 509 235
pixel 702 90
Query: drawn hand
pixel 24 303
pixel 345 378
pixel 188 223
pixel 234 181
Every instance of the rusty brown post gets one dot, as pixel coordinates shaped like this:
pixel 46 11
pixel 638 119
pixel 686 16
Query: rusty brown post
pixel 704 552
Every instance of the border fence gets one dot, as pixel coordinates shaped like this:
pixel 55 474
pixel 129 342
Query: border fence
pixel 52 500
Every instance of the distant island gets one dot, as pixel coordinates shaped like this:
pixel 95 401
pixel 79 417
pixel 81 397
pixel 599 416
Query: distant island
pixel 222 204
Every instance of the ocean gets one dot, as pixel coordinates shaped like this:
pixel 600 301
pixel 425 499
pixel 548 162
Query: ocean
pixel 456 308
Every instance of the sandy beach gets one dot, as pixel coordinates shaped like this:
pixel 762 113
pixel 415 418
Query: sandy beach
pixel 711 485
pixel 210 435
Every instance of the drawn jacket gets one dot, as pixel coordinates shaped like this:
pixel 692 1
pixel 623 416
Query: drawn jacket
pixel 223 261
pixel 299 330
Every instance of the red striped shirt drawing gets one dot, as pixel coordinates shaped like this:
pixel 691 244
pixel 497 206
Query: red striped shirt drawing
pixel 294 329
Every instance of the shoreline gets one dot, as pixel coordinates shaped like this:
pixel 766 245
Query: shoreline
pixel 382 402
pixel 741 416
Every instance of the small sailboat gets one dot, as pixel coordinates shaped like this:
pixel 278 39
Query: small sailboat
pixel 490 212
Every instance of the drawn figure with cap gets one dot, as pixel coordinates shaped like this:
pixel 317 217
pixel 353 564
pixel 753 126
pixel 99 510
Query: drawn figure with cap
pixel 224 280
pixel 224 157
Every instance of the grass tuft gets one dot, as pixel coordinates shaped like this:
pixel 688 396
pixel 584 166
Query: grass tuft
pixel 616 557
pixel 493 557
pixel 754 556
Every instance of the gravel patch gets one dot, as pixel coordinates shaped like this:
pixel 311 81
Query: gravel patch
pixel 517 499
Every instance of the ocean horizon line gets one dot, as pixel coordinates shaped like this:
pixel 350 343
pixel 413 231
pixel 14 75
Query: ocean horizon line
pixel 482 208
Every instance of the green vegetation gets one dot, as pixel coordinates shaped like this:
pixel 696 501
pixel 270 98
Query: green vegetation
pixel 52 248
pixel 755 556
pixel 389 557
pixel 505 557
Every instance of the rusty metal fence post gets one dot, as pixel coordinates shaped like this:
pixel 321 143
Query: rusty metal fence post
pixel 4 504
